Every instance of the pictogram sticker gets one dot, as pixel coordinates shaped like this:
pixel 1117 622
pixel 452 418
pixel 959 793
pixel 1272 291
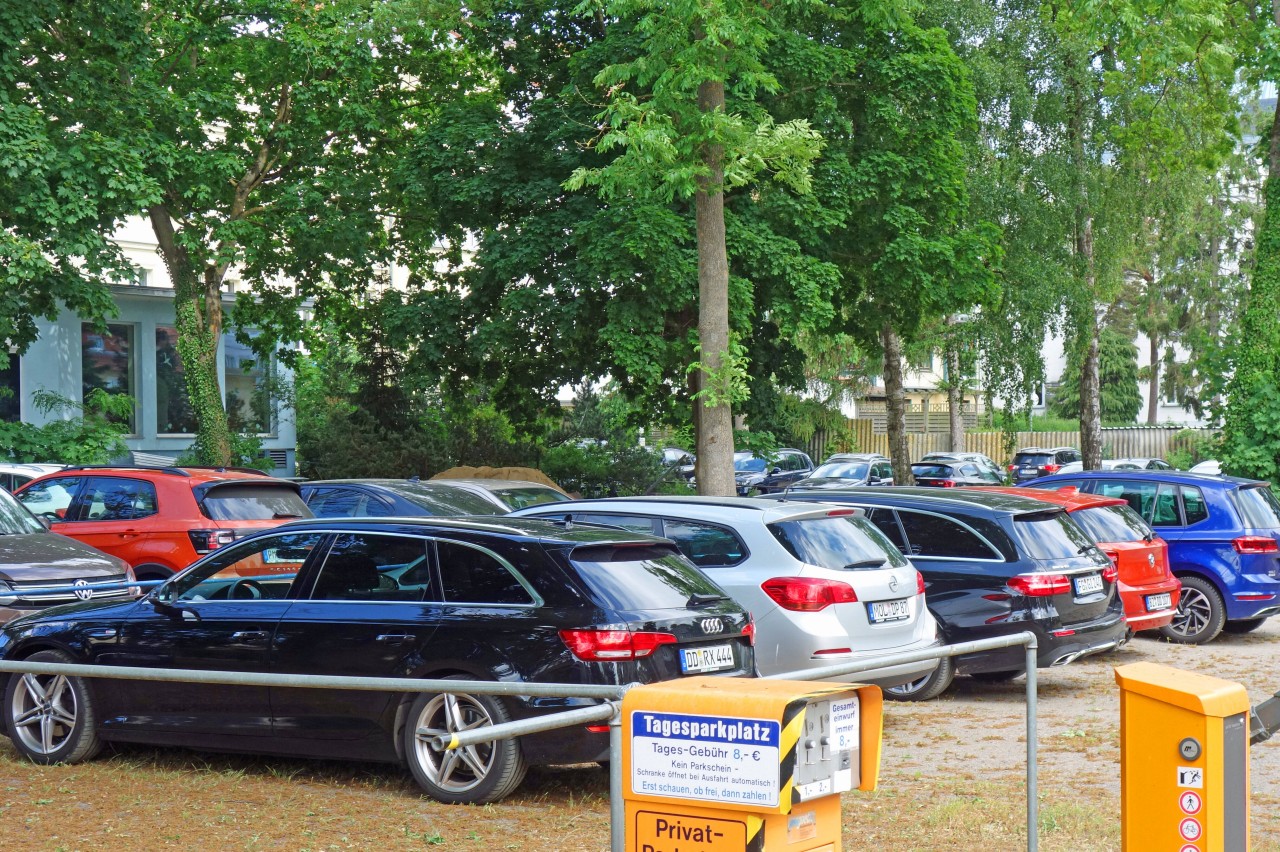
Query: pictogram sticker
pixel 1190 802
pixel 1189 828
pixel 1190 847
pixel 1191 776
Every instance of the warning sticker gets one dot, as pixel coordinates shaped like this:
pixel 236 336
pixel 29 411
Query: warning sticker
pixel 1190 802
pixel 1190 829
pixel 710 758
pixel 846 730
pixel 1191 776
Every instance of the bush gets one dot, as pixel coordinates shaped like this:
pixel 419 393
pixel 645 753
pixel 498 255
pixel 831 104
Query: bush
pixel 94 436
pixel 597 470
pixel 1188 446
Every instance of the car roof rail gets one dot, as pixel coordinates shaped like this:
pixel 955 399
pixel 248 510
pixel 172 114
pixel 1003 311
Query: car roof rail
pixel 175 471
pixel 224 469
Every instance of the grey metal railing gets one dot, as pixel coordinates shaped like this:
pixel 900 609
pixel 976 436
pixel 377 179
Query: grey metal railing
pixel 609 710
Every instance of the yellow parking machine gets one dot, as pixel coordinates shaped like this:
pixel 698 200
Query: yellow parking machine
pixel 1184 761
pixel 717 764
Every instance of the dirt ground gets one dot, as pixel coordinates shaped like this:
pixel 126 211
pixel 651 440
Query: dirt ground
pixel 952 779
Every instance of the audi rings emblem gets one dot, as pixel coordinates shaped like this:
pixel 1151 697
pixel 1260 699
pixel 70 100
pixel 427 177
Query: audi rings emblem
pixel 1151 559
pixel 893 583
pixel 712 625
pixel 83 592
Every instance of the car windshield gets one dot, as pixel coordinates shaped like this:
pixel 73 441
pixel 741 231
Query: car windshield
pixel 932 470
pixel 1049 535
pixel 641 576
pixel 842 470
pixel 14 517
pixel 257 502
pixel 444 500
pixel 750 464
pixel 531 495
pixel 1112 524
pixel 839 543
pixel 1259 508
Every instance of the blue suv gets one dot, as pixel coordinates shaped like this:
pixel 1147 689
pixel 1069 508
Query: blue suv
pixel 1224 543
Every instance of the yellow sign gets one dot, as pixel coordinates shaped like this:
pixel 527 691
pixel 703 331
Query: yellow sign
pixel 667 832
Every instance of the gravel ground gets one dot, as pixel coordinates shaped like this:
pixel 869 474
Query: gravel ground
pixel 952 779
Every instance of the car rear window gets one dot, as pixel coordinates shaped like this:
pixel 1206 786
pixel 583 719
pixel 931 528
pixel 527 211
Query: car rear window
pixel 936 471
pixel 842 470
pixel 1258 508
pixel 630 577
pixel 838 543
pixel 1112 524
pixel 1038 459
pixel 265 502
pixel 519 498
pixel 1049 535
pixel 445 500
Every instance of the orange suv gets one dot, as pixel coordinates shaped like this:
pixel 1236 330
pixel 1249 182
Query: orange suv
pixel 160 519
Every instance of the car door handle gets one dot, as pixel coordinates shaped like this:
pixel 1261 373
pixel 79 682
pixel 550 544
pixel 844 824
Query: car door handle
pixel 128 534
pixel 396 638
pixel 250 637
pixel 101 633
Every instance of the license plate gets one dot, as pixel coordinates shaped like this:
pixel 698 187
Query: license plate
pixel 710 658
pixel 1088 584
pixel 1158 602
pixel 882 611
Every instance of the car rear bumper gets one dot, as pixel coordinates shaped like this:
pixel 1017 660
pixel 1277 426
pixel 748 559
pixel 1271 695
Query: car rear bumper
pixel 884 676
pixel 1253 596
pixel 1055 647
pixel 1136 613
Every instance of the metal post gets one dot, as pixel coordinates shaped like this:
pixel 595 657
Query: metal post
pixel 1033 803
pixel 617 807
pixel 518 728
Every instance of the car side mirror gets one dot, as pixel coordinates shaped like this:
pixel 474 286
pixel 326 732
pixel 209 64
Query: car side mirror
pixel 177 612
pixel 775 471
pixel 44 521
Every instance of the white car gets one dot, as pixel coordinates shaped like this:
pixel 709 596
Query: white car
pixel 824 584
pixel 1213 467
pixel 14 475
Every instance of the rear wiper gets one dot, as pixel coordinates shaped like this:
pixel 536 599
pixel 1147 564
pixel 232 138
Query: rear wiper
pixel 864 563
pixel 697 599
pixel 1086 548
pixel 284 516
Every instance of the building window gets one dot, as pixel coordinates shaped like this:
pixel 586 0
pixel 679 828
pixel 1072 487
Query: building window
pixel 247 380
pixel 108 363
pixel 174 414
pixel 10 388
pixel 921 362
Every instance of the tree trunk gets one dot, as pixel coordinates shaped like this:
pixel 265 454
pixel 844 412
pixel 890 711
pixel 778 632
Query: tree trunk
pixel 198 318
pixel 895 401
pixel 955 398
pixel 1090 403
pixel 1153 395
pixel 714 419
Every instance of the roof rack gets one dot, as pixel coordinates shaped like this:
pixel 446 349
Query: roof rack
pixel 169 469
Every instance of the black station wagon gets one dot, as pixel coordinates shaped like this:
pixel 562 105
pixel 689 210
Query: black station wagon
pixel 513 600
pixel 996 564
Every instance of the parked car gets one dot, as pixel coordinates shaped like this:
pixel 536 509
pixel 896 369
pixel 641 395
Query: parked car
pixel 1134 464
pixel 1224 543
pixel 936 474
pixel 996 564
pixel 1147 587
pixel 847 469
pixel 160 519
pixel 983 462
pixel 757 474
pixel 1034 462
pixel 33 559
pixel 384 498
pixel 492 600
pixel 509 494
pixel 824 585
pixel 14 475
pixel 1212 467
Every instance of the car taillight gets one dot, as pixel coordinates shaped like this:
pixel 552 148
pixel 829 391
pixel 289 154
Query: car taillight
pixel 807 594
pixel 947 483
pixel 1012 468
pixel 1114 556
pixel 608 646
pixel 1255 544
pixel 206 540
pixel 1051 468
pixel 1112 572
pixel 1040 585
pixel 749 631
pixel 919 583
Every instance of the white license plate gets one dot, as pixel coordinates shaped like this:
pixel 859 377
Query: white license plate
pixel 710 658
pixel 1088 584
pixel 881 611
pixel 1159 602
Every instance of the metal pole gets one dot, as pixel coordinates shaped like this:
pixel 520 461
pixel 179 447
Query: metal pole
pixel 937 651
pixel 617 807
pixel 1033 803
pixel 518 728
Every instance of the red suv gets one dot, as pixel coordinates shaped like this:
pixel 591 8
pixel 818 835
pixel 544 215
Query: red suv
pixel 160 519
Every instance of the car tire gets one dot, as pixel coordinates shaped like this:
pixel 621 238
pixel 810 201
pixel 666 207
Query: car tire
pixel 1243 625
pixel 51 718
pixel 152 572
pixel 1201 614
pixel 474 775
pixel 928 687
pixel 996 677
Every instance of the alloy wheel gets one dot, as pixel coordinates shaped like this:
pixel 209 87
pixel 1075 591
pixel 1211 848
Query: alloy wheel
pixel 1194 612
pixel 455 770
pixel 44 712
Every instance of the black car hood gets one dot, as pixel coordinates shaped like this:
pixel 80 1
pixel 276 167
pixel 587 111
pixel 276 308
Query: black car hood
pixel 49 556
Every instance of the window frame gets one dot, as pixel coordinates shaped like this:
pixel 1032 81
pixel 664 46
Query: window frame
pixel 132 370
pixel 725 528
pixel 537 601
pixel 316 569
pixel 81 502
pixel 982 538
pixel 305 574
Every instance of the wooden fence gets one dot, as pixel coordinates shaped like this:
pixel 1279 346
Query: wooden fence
pixel 1117 443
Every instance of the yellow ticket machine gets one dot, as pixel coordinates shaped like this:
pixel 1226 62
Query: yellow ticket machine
pixel 717 764
pixel 1184 761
